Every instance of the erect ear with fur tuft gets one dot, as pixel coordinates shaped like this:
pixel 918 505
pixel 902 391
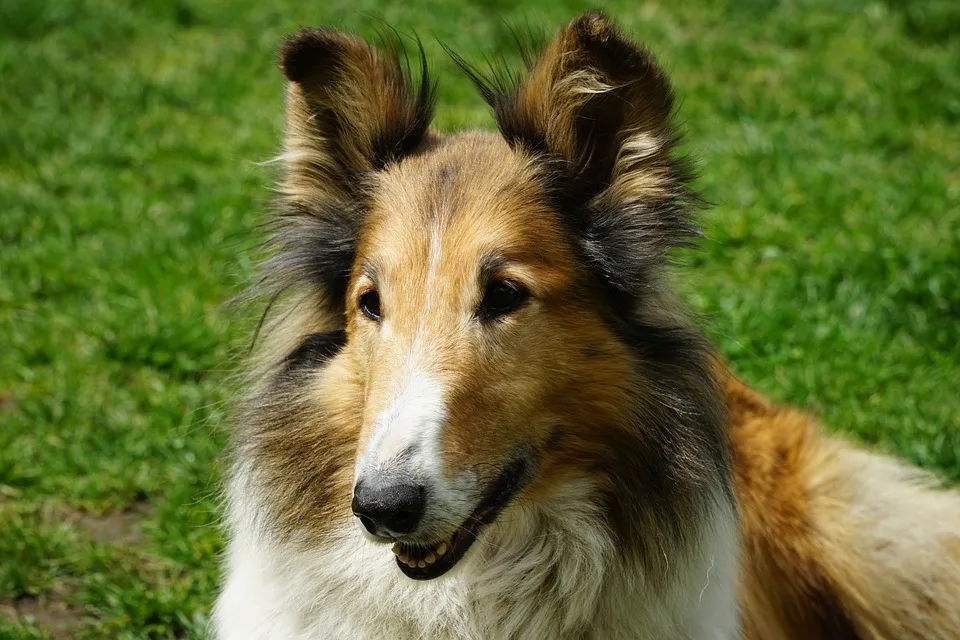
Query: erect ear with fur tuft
pixel 350 107
pixel 351 110
pixel 601 104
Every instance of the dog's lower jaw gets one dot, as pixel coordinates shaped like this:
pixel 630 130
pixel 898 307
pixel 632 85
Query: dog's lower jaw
pixel 567 582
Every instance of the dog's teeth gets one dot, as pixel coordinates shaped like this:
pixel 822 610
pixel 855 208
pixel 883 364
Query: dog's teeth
pixel 412 558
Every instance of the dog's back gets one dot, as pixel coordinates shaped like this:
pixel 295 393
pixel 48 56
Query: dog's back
pixel 837 542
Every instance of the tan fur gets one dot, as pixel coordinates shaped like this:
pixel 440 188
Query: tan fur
pixel 294 451
pixel 366 94
pixel 426 252
pixel 838 542
pixel 634 444
pixel 572 82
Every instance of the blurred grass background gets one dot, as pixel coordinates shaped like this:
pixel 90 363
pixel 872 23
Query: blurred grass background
pixel 130 132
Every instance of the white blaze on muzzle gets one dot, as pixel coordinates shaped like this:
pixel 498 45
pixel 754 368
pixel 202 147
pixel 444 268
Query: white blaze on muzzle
pixel 406 436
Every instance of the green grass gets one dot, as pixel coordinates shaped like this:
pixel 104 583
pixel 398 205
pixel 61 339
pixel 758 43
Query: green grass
pixel 829 138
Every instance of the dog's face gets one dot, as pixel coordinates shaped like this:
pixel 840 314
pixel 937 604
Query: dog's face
pixel 491 289
pixel 469 323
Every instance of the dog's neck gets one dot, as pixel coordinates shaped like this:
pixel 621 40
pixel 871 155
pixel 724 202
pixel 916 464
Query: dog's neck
pixel 547 570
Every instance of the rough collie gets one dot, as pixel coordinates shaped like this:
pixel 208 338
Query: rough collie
pixel 476 411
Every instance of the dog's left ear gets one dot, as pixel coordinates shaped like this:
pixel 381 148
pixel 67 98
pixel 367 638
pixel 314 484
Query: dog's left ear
pixel 599 103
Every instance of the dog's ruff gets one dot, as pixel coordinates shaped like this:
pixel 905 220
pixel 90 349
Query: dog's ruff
pixel 548 571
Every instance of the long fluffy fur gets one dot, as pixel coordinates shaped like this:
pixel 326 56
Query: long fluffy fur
pixel 838 542
pixel 671 500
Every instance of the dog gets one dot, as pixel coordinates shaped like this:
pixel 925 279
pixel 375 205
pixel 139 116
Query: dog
pixel 475 409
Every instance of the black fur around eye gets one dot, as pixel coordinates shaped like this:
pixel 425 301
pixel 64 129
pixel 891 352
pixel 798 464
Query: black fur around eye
pixel 501 298
pixel 370 305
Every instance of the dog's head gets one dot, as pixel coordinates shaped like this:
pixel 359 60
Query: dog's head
pixel 494 318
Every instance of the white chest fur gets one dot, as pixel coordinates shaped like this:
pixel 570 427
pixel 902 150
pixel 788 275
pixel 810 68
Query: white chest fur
pixel 540 572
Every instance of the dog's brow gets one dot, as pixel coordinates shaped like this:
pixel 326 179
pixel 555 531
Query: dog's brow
pixel 490 264
pixel 370 270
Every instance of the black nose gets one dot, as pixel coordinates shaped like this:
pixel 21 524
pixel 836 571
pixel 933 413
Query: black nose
pixel 388 508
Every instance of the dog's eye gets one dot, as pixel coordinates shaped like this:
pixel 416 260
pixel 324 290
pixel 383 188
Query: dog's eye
pixel 370 305
pixel 500 298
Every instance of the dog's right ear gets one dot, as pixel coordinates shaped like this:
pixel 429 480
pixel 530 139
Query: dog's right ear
pixel 350 107
pixel 351 110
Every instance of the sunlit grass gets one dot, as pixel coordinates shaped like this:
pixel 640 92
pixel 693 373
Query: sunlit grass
pixel 828 134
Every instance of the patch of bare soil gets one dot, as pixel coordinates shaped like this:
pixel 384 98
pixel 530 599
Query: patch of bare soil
pixel 48 611
pixel 117 528
pixel 51 610
pixel 8 404
pixel 121 528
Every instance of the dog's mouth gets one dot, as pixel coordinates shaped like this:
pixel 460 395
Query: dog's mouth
pixel 426 561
